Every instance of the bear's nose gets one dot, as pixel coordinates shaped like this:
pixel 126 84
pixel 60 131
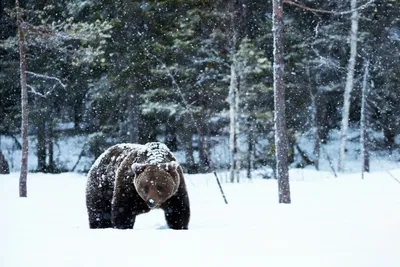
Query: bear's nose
pixel 151 203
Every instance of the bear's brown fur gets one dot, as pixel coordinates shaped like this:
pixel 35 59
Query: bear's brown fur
pixel 130 179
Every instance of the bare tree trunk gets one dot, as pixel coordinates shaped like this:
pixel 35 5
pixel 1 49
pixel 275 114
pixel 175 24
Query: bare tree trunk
pixel 129 120
pixel 24 106
pixel 4 168
pixel 170 134
pixel 314 121
pixel 186 134
pixel 189 158
pixel 51 167
pixel 281 141
pixel 133 119
pixel 233 105
pixel 204 149
pixel 41 143
pixel 349 84
pixel 250 143
pixel 77 116
pixel 388 131
pixel 364 122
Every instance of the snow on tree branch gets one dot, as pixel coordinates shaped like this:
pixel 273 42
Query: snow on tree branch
pixel 323 61
pixel 329 11
pixel 47 77
pixel 43 76
pixel 34 91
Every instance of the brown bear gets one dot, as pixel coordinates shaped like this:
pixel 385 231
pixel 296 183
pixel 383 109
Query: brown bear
pixel 131 179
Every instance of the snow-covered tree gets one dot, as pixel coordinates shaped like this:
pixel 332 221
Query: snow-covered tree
pixel 52 36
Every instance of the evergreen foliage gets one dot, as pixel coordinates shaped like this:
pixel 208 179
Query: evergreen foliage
pixel 114 70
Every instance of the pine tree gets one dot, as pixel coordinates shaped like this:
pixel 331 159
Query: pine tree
pixel 52 36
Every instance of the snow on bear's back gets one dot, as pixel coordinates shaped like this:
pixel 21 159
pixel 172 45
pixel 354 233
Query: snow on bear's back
pixel 125 148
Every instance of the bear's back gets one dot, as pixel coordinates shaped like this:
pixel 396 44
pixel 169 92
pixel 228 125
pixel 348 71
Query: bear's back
pixel 102 172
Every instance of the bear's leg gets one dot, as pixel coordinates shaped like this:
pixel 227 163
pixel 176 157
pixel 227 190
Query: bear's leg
pixel 99 209
pixel 177 213
pixel 98 201
pixel 99 219
pixel 123 217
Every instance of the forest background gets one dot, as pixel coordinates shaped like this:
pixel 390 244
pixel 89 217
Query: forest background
pixel 135 71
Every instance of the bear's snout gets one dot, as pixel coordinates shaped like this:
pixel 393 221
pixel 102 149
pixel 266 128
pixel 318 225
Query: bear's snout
pixel 151 203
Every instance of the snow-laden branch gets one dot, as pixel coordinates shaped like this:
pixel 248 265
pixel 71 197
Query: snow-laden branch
pixel 60 31
pixel 34 91
pixel 323 61
pixel 43 76
pixel 27 26
pixel 329 11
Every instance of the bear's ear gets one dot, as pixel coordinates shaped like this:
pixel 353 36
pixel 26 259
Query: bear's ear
pixel 170 166
pixel 138 168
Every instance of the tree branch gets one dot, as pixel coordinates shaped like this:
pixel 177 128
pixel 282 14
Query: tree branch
pixel 47 77
pixel 391 175
pixel 33 90
pixel 328 11
pixel 30 27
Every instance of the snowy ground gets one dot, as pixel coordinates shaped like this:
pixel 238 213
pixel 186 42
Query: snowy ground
pixel 343 222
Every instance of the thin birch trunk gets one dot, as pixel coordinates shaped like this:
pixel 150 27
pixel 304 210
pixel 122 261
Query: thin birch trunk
pixel 349 84
pixel 237 128
pixel 364 122
pixel 233 91
pixel 24 106
pixel 236 17
pixel 281 140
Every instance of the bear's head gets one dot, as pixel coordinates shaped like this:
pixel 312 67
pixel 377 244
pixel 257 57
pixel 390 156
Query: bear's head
pixel 156 183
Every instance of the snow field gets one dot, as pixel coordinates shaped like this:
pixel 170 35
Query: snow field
pixel 341 222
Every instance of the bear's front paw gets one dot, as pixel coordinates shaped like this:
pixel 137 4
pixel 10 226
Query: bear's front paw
pixel 123 219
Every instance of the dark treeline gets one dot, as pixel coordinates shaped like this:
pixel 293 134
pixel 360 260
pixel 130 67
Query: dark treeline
pixel 119 71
